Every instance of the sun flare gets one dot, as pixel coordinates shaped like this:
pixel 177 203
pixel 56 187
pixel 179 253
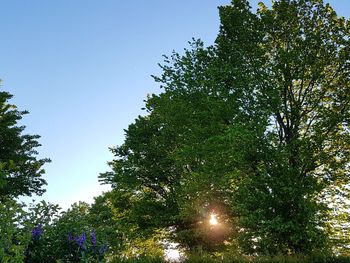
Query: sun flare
pixel 213 220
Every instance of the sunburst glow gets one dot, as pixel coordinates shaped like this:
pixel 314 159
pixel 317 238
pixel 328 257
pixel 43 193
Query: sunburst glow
pixel 213 220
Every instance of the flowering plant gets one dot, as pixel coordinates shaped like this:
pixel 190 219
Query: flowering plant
pixel 84 249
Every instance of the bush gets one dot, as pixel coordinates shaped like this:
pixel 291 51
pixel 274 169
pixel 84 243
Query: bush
pixel 14 234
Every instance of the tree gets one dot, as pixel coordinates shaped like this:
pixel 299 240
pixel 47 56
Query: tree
pixel 300 56
pixel 20 169
pixel 255 128
pixel 158 156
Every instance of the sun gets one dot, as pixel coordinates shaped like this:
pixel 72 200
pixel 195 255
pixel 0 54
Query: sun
pixel 213 221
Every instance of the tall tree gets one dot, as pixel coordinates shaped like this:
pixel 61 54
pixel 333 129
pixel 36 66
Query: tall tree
pixel 299 53
pixel 161 151
pixel 20 169
pixel 254 128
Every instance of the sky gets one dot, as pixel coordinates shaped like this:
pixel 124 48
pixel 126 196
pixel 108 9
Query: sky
pixel 83 69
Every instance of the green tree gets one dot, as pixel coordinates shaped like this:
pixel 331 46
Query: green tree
pixel 299 55
pixel 254 128
pixel 20 169
pixel 164 150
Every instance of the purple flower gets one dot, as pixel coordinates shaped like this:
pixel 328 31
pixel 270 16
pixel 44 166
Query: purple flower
pixel 81 240
pixel 37 231
pixel 70 238
pixel 93 238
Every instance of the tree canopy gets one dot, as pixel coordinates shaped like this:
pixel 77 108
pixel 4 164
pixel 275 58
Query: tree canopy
pixel 20 169
pixel 254 128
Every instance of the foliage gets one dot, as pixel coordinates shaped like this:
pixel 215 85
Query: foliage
pixel 252 131
pixel 300 57
pixel 14 237
pixel 73 239
pixel 254 128
pixel 125 238
pixel 152 170
pixel 67 236
pixel 41 217
pixel 20 169
pixel 140 260
pixel 276 259
pixel 103 218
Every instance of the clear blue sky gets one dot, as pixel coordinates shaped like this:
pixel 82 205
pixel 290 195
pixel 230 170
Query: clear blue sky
pixel 82 69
